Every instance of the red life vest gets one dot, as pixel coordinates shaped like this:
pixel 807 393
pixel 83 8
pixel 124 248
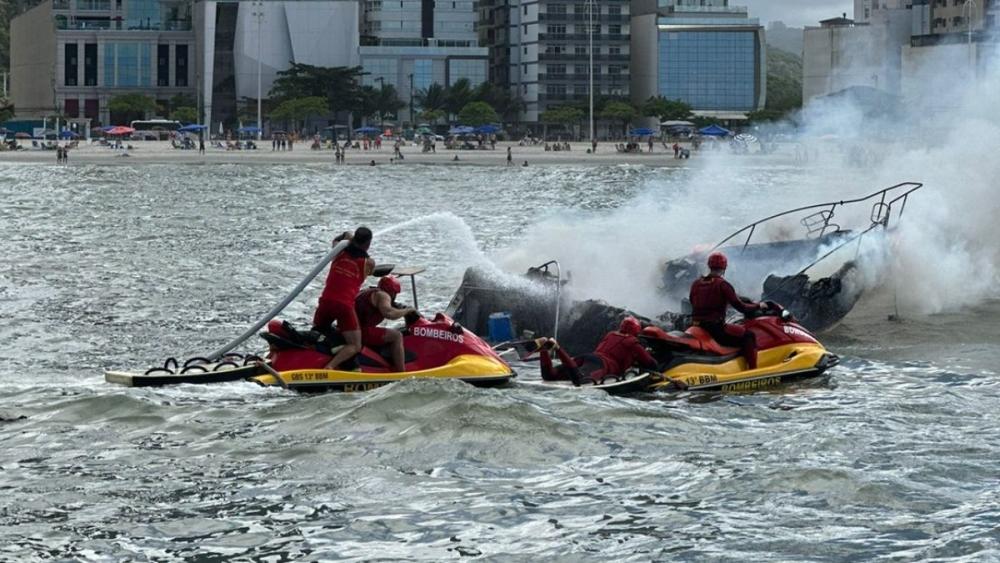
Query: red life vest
pixel 621 351
pixel 711 296
pixel 347 274
pixel 368 313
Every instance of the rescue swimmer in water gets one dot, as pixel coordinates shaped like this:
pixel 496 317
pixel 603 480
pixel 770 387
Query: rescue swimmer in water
pixel 710 296
pixel 618 351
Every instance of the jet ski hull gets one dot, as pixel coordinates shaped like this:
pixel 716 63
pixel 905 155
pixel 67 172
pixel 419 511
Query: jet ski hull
pixel 476 370
pixel 730 374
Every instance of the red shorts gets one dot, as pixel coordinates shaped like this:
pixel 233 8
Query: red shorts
pixel 373 336
pixel 330 311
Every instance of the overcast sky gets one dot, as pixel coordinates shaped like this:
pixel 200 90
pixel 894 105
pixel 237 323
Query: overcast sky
pixel 796 13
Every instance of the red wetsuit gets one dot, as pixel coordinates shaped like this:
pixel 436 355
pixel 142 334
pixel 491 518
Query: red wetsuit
pixel 347 273
pixel 710 296
pixel 614 354
pixel 369 317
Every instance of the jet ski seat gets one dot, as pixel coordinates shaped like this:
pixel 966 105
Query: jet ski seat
pixel 708 344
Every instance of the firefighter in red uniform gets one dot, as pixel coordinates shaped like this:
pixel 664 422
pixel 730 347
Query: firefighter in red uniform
pixel 618 351
pixel 347 273
pixel 710 296
pixel 375 305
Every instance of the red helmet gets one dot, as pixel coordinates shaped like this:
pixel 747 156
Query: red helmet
pixel 630 326
pixel 390 285
pixel 717 261
pixel 277 328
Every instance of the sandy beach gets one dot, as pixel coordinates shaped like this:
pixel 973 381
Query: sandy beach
pixel 161 152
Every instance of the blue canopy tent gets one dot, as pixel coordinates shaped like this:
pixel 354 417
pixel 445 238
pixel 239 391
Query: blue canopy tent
pixel 193 128
pixel 641 132
pixel 487 129
pixel 715 131
pixel 367 129
pixel 67 134
pixel 461 130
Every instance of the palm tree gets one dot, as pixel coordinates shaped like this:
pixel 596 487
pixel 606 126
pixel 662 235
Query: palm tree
pixel 434 97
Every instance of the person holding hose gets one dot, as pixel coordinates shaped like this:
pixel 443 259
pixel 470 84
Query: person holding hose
pixel 336 304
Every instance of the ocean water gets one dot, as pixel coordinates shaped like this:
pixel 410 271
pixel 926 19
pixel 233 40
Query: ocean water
pixel 889 457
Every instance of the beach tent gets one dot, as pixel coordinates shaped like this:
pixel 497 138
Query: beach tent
pixel 641 132
pixel 193 128
pixel 715 131
pixel 67 134
pixel 487 129
pixel 368 129
pixel 461 130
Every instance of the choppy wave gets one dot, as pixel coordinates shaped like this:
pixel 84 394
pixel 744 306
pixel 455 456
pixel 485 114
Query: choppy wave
pixel 890 457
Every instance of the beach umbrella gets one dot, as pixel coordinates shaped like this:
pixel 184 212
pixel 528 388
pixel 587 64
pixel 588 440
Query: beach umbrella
pixel 461 130
pixel 67 134
pixel 120 130
pixel 715 131
pixel 193 128
pixel 641 132
pixel 487 129
pixel 22 135
pixel 367 129
pixel 248 129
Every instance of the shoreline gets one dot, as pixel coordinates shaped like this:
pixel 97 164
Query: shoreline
pixel 161 152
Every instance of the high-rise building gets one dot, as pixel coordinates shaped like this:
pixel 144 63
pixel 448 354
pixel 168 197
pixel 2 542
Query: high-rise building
pixel 412 44
pixel 240 41
pixel 541 50
pixel 705 53
pixel 70 57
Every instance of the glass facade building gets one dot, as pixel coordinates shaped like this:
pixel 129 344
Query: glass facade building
pixel 710 70
pixel 710 56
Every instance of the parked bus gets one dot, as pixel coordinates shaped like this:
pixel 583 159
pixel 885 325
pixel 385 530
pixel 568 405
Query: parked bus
pixel 155 129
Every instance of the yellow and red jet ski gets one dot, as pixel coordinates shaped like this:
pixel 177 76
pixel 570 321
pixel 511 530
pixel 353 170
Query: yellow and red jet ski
pixel 694 360
pixel 435 349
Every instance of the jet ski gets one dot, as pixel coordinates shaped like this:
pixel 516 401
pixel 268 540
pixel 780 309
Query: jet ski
pixel 693 360
pixel 438 348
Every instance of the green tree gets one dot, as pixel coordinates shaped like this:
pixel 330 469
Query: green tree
pixel 666 110
pixel 339 87
pixel 299 109
pixel 619 111
pixel 784 81
pixel 459 95
pixel 183 101
pixel 562 115
pixel 128 107
pixel 432 116
pixel 185 114
pixel 477 113
pixel 434 97
pixel 6 109
pixel 501 99
pixel 387 101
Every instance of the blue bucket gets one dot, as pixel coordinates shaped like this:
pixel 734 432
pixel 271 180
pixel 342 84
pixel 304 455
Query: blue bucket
pixel 501 327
